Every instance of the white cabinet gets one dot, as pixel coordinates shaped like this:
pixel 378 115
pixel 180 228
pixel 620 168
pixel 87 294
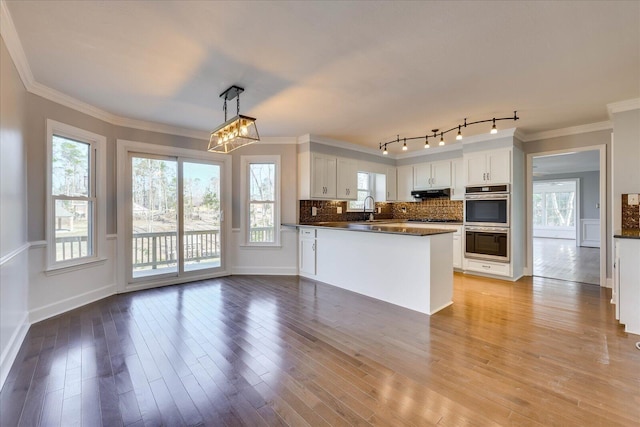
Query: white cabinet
pixel 457 179
pixel 347 179
pixel 488 267
pixel 626 274
pixel 404 183
pixel 488 167
pixel 391 185
pixel 432 175
pixel 307 251
pixel 457 248
pixel 323 176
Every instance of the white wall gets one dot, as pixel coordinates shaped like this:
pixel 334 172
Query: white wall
pixel 626 159
pixel 13 213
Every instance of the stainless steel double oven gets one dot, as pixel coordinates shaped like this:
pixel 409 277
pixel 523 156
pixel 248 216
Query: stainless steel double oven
pixel 486 222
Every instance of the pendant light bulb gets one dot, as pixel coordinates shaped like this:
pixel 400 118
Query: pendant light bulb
pixel 404 146
pixel 494 130
pixel 459 136
pixel 426 142
pixel 441 139
pixel 385 152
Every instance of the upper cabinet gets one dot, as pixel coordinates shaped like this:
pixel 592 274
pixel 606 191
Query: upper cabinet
pixel 391 183
pixel 432 175
pixel 347 179
pixel 404 175
pixel 323 176
pixel 488 167
pixel 457 179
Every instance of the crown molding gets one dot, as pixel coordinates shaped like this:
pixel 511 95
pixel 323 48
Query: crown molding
pixel 340 144
pixel 14 46
pixel 619 107
pixel 573 130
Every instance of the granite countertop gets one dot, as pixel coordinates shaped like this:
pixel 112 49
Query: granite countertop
pixel 628 233
pixel 375 227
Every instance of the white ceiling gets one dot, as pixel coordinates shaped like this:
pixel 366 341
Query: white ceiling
pixel 361 72
pixel 581 161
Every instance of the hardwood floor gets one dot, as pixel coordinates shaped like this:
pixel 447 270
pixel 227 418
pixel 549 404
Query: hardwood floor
pixel 562 259
pixel 258 350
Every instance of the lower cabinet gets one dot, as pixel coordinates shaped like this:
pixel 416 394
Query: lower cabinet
pixel 626 272
pixel 307 252
pixel 457 248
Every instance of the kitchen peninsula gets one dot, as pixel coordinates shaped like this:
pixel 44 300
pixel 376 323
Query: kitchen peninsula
pixel 393 262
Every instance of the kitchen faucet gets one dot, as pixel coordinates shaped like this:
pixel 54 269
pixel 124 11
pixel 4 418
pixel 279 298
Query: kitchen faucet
pixel 364 210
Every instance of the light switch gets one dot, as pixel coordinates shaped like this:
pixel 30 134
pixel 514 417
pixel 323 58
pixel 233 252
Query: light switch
pixel 339 209
pixel 632 199
pixel 314 211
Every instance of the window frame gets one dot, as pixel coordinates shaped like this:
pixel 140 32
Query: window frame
pixel 245 162
pixel 97 196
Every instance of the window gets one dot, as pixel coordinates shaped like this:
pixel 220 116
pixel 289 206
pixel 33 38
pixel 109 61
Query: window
pixel 76 212
pixel 261 187
pixel 554 204
pixel 365 189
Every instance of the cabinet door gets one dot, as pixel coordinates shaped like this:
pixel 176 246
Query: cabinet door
pixel 422 176
pixel 457 179
pixel 405 183
pixel 441 174
pixel 457 250
pixel 391 184
pixel 308 256
pixel 347 179
pixel 323 176
pixel 499 167
pixel 476 170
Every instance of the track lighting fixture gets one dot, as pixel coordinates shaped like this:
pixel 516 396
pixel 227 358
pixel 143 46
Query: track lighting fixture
pixel 494 130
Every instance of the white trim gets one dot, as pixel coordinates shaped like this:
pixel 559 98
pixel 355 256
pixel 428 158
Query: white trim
pixel 98 169
pixel 269 271
pixel 573 130
pixel 37 244
pixel 340 144
pixel 278 140
pixel 622 106
pixel 67 304
pixel 169 281
pixel 604 243
pixel 112 236
pixel 10 352
pixel 14 46
pixel 93 262
pixel 245 161
pixel 8 257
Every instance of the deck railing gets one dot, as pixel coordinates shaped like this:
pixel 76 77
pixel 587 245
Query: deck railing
pixel 160 249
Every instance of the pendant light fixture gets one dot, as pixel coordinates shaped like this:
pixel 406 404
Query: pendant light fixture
pixel 494 130
pixel 236 132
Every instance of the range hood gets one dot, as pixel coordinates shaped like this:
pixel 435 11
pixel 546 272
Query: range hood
pixel 430 194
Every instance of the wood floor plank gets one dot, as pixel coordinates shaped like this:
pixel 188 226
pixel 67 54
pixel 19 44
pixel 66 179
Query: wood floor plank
pixel 284 350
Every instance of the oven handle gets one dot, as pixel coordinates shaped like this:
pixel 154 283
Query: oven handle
pixel 492 196
pixel 490 229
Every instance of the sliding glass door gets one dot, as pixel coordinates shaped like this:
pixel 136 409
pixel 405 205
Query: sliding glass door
pixel 175 217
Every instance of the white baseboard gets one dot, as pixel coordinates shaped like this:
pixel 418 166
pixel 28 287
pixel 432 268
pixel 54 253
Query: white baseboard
pixel 269 271
pixel 59 307
pixel 11 351
pixel 590 243
pixel 609 283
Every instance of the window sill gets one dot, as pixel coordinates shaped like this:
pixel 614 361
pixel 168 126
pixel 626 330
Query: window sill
pixel 52 271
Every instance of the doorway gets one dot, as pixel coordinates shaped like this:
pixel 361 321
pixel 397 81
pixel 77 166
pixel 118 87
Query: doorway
pixel 566 229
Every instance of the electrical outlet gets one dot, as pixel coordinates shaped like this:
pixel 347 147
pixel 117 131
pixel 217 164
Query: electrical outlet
pixel 404 210
pixel 632 200
pixel 339 209
pixel 314 211
pixel 379 209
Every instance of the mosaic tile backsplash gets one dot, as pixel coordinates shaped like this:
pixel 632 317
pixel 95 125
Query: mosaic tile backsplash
pixel 433 208
pixel 630 214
